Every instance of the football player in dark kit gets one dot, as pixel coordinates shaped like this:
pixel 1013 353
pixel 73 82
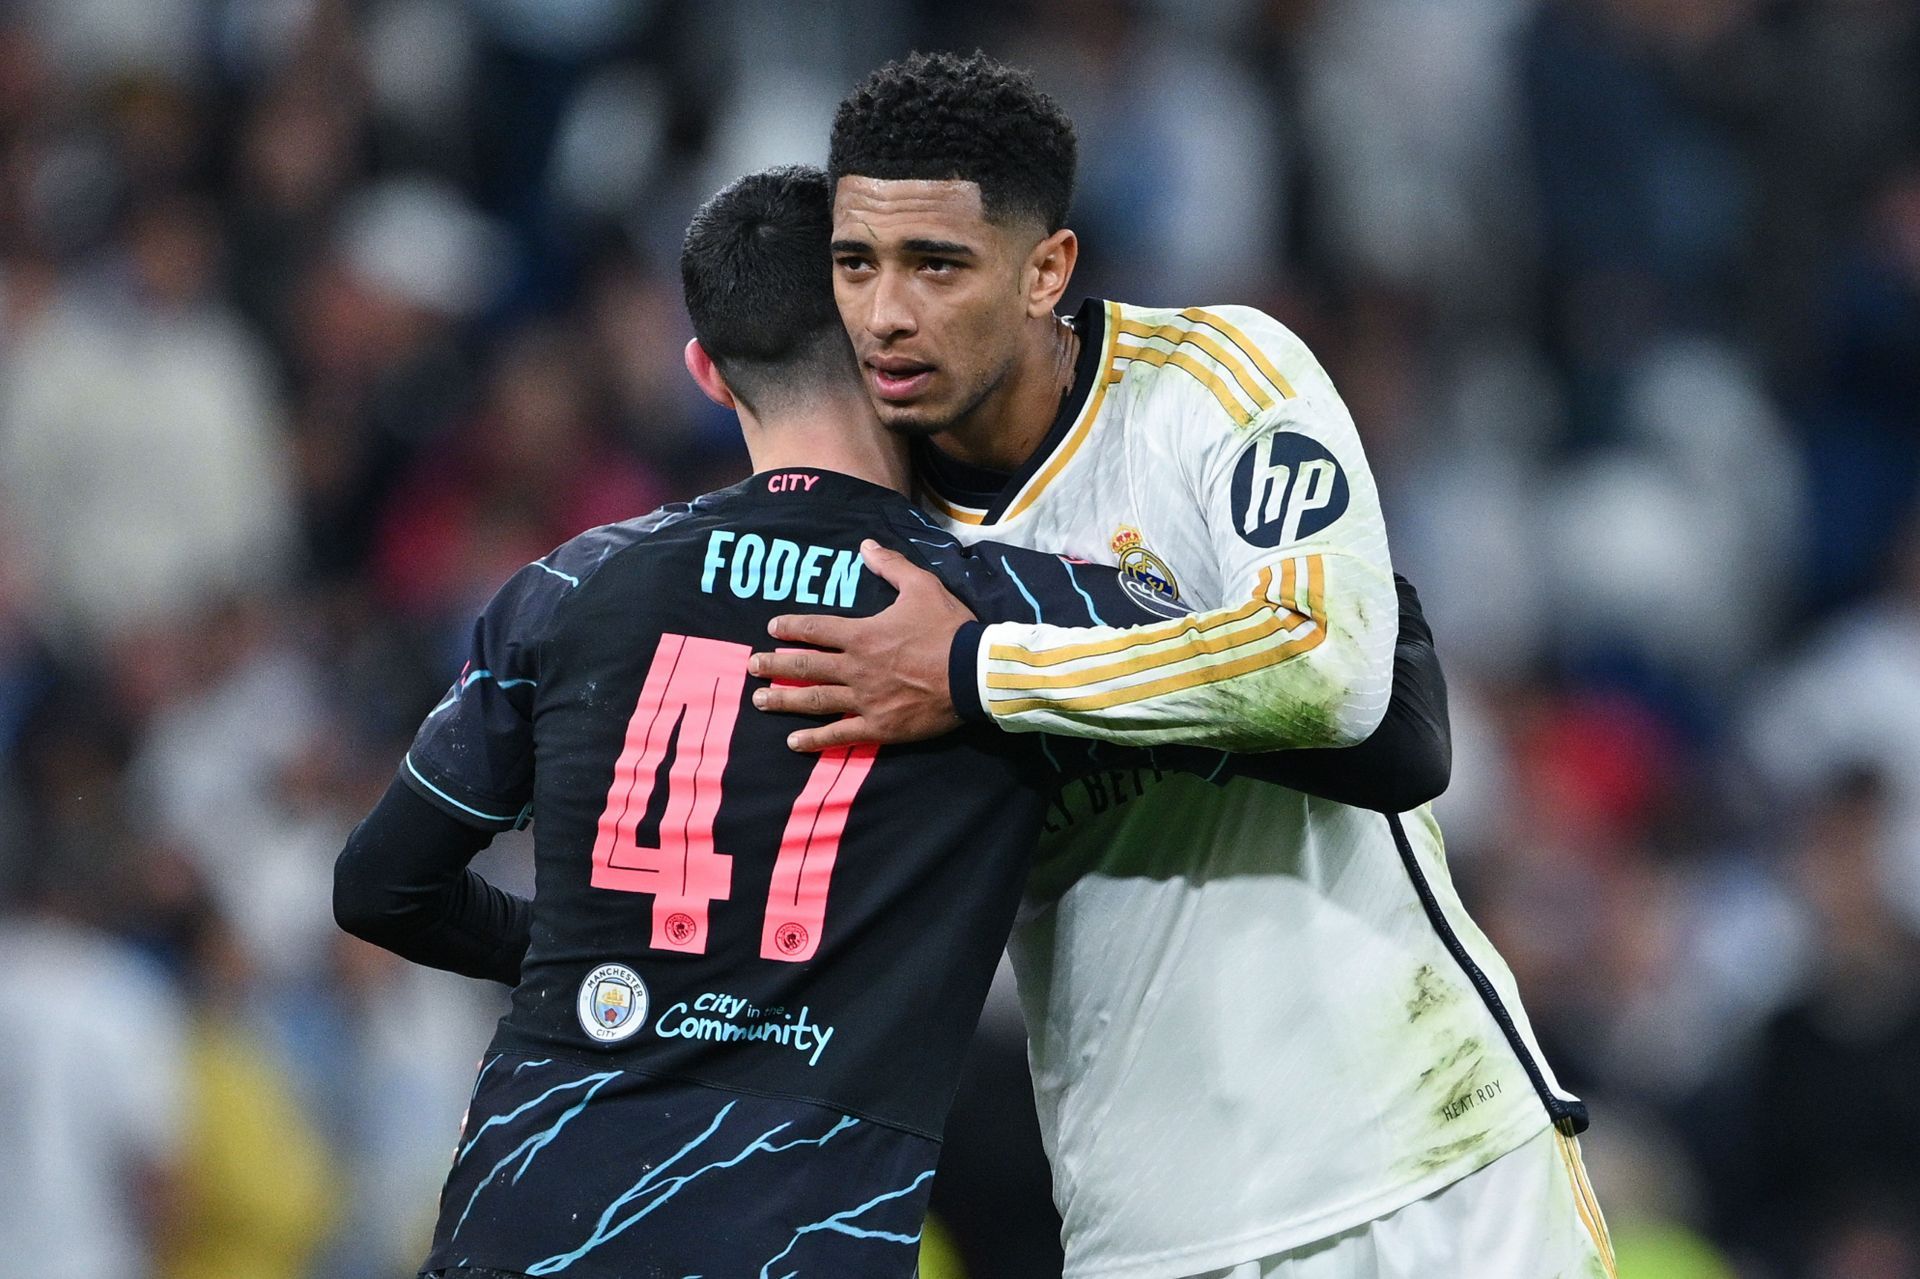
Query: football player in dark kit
pixel 748 976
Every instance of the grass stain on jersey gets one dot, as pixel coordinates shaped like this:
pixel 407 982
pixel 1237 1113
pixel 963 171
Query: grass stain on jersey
pixel 1450 1090
pixel 1435 1158
pixel 1451 1083
pixel 1429 994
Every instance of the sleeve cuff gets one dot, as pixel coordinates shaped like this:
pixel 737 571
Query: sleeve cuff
pixel 487 815
pixel 963 666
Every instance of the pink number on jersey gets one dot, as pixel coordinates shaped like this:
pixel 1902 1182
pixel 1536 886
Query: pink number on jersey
pixel 696 684
pixel 797 900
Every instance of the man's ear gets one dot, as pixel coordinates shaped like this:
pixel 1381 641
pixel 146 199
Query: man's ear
pixel 707 375
pixel 1049 267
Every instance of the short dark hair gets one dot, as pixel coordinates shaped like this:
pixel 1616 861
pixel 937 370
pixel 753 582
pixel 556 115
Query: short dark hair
pixel 758 281
pixel 944 116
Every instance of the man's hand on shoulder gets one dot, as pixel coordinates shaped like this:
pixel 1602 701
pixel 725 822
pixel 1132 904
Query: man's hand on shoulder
pixel 886 675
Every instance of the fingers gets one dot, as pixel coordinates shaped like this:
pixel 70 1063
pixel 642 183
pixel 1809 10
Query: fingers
pixel 842 732
pixel 800 666
pixel 815 699
pixel 892 567
pixel 814 628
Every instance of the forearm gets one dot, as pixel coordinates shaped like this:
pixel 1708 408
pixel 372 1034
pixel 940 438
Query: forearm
pixel 1406 763
pixel 1304 661
pixel 403 883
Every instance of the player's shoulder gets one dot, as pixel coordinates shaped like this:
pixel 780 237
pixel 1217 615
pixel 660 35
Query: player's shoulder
pixel 578 558
pixel 1233 365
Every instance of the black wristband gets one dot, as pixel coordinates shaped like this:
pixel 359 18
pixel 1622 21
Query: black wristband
pixel 963 663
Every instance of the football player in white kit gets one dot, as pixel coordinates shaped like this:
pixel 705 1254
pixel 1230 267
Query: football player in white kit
pixel 1266 1038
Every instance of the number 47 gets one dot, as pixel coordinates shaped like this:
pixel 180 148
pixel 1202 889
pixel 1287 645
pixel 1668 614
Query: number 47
pixel 696 684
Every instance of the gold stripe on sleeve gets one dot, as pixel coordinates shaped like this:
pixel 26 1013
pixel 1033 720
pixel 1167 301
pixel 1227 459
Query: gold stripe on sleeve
pixel 1198 371
pixel 1168 685
pixel 1188 337
pixel 1134 636
pixel 1244 345
pixel 1215 645
pixel 1194 645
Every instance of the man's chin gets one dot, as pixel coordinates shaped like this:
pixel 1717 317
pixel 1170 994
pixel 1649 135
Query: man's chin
pixel 916 421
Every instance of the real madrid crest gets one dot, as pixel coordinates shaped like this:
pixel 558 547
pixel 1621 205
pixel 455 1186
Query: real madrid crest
pixel 1145 576
pixel 612 1004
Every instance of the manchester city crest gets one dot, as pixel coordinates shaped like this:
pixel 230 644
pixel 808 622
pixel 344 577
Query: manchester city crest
pixel 612 1003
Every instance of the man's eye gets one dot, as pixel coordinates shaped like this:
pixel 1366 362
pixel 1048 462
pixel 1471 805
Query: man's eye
pixel 939 266
pixel 851 264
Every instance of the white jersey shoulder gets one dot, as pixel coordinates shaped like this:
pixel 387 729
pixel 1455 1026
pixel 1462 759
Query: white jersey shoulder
pixel 1212 461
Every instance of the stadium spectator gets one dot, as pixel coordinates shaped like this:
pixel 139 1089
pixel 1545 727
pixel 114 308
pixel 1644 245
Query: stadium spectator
pixel 93 1066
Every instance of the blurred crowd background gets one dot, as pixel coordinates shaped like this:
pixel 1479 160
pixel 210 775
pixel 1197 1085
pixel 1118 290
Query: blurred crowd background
pixel 319 318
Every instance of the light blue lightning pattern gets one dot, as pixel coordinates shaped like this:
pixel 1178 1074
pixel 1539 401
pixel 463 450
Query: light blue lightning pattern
pixel 565 577
pixel 840 1224
pixel 544 1061
pixel 468 680
pixel 1092 612
pixel 490 1064
pixel 606 1228
pixel 951 540
pixel 532 1146
pixel 522 1109
pixel 1024 592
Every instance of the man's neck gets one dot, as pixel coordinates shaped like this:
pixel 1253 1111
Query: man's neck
pixel 1005 429
pixel 831 435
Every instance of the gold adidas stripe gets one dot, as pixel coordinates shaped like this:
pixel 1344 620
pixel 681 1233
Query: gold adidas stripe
pixel 1198 371
pixel 1245 346
pixel 1136 636
pixel 1287 619
pixel 1170 684
pixel 1584 1203
pixel 1603 1237
pixel 1217 645
pixel 1189 337
pixel 1208 640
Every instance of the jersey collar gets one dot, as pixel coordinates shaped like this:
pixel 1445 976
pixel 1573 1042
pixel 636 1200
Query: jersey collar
pixel 979 495
pixel 811 483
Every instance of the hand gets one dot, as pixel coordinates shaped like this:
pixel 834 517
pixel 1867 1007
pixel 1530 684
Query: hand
pixel 886 674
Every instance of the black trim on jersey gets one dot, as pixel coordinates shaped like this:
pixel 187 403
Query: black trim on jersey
pixel 959 483
pixel 963 662
pixel 1569 1117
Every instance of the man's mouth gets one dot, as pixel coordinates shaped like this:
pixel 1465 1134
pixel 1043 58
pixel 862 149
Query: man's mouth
pixel 895 378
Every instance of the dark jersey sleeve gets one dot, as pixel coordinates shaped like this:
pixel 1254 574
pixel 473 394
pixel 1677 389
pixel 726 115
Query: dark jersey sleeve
pixel 1405 763
pixel 402 882
pixel 473 755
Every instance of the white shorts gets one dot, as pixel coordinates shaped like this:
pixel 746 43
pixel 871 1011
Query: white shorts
pixel 1528 1215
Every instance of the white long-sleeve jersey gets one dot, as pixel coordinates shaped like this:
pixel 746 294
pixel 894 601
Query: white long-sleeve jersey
pixel 1256 1018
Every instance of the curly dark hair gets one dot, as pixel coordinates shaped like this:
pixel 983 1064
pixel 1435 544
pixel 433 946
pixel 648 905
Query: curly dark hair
pixel 942 115
pixel 758 282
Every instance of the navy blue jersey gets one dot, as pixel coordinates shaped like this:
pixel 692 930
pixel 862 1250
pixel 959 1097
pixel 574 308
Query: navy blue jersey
pixel 771 963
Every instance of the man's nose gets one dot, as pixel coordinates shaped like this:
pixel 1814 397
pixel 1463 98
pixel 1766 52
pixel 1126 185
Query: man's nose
pixel 889 308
